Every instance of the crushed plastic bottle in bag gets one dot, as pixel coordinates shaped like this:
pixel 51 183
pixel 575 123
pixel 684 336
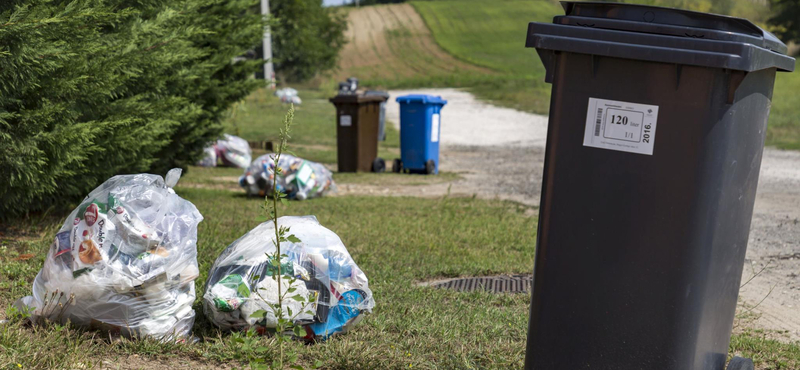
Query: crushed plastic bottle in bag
pixel 241 287
pixel 301 179
pixel 124 262
pixel 231 151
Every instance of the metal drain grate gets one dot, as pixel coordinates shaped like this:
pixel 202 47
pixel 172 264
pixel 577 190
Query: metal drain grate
pixel 496 284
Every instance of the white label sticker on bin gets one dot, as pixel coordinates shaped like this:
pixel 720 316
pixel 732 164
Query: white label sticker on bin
pixel 345 121
pixel 435 128
pixel 623 126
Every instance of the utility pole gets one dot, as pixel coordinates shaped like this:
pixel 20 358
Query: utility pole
pixel 269 73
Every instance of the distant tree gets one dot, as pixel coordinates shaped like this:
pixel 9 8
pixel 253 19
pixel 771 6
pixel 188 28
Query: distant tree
pixel 306 38
pixel 786 19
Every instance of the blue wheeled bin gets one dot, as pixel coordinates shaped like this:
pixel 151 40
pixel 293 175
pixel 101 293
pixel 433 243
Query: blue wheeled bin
pixel 420 122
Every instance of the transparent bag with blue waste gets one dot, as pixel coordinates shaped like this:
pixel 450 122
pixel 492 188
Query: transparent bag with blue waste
pixel 334 291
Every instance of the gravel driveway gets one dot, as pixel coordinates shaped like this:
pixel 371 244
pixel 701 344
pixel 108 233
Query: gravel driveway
pixel 500 154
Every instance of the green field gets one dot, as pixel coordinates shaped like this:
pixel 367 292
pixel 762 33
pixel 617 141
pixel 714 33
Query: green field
pixel 492 34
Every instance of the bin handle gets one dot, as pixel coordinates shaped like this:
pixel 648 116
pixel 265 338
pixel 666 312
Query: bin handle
pixel 544 37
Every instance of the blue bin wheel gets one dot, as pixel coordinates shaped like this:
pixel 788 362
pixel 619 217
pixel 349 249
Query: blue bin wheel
pixel 378 165
pixel 430 167
pixel 740 363
pixel 397 166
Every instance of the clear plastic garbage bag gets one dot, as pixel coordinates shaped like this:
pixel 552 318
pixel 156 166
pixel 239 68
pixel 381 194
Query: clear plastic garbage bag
pixel 301 179
pixel 286 91
pixel 124 261
pixel 288 95
pixel 209 156
pixel 333 288
pixel 234 151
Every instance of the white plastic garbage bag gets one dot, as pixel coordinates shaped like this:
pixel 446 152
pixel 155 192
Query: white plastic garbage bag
pixel 288 95
pixel 286 91
pixel 234 151
pixel 209 156
pixel 333 288
pixel 124 261
pixel 301 179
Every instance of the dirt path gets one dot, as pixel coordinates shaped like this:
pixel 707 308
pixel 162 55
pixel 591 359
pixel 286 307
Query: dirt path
pixel 500 152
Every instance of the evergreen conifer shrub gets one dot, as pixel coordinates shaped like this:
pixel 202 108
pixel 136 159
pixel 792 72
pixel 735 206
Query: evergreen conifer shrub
pixel 94 88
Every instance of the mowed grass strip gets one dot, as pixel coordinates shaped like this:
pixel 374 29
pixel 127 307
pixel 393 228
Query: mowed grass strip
pixel 396 241
pixel 390 46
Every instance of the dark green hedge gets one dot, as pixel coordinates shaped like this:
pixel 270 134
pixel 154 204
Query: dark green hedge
pixel 94 88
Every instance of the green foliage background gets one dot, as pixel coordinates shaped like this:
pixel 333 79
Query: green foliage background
pixel 94 88
pixel 786 19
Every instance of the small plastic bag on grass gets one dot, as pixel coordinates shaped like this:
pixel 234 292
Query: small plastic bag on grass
pixel 301 179
pixel 234 151
pixel 124 261
pixel 209 156
pixel 241 287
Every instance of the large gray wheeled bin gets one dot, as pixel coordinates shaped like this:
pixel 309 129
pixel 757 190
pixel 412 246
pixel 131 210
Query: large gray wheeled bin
pixel 657 125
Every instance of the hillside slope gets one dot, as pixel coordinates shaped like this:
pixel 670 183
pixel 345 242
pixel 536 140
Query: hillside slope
pixel 389 45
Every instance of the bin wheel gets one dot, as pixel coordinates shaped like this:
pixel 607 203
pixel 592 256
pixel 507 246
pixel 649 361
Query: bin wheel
pixel 740 363
pixel 430 167
pixel 397 166
pixel 378 165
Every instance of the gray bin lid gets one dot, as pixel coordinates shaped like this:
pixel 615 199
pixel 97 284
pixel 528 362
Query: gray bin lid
pixel 661 35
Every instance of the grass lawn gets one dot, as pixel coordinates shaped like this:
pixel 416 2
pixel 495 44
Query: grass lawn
pixel 396 241
pixel 313 136
pixel 783 130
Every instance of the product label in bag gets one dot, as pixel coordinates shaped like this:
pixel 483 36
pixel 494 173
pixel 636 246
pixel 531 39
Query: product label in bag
pixel 622 126
pixel 89 238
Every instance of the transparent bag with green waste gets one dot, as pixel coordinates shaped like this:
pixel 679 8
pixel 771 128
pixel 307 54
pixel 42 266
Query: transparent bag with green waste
pixel 124 261
pixel 240 288
pixel 301 179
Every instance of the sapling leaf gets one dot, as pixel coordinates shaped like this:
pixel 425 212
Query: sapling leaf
pixel 291 289
pixel 298 297
pixel 299 331
pixel 260 313
pixel 293 239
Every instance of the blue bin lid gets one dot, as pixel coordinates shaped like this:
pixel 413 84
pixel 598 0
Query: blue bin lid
pixel 421 99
